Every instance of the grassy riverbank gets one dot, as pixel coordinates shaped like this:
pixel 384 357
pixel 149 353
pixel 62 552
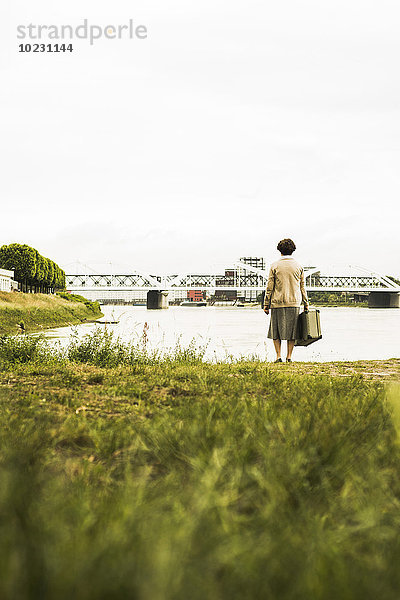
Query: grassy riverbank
pixel 42 311
pixel 124 475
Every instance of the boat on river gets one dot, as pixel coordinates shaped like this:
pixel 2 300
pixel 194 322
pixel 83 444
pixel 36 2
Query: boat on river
pixel 193 303
pixel 107 322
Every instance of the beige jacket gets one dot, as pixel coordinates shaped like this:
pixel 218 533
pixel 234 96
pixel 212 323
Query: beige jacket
pixel 285 285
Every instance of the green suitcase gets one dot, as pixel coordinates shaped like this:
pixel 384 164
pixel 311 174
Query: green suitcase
pixel 308 328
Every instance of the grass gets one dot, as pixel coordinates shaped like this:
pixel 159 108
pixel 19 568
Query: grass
pixel 124 474
pixel 34 312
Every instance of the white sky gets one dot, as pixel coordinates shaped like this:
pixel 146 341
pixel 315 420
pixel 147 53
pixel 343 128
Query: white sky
pixel 236 123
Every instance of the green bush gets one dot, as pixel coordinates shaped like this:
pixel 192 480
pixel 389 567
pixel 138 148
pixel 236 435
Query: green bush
pixel 22 349
pixel 93 306
pixel 103 349
pixel 100 348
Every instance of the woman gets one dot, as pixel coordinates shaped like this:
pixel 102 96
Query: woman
pixel 284 294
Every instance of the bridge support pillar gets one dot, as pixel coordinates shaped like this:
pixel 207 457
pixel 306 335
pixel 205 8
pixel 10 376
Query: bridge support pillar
pixel 384 300
pixel 157 299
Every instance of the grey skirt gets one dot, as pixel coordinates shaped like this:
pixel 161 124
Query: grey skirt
pixel 283 323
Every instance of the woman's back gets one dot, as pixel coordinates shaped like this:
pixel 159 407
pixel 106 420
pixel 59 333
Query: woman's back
pixel 288 279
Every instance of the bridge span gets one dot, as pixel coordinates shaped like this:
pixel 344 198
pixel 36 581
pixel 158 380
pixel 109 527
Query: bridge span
pixel 243 279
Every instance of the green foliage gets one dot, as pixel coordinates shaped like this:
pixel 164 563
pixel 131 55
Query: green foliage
pixel 31 269
pixel 21 259
pixel 22 349
pixel 41 311
pixel 180 481
pixel 93 306
pixel 333 299
pixel 103 349
pixel 99 347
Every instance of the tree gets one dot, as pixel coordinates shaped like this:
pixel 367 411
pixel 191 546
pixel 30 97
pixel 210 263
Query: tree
pixel 32 270
pixel 21 259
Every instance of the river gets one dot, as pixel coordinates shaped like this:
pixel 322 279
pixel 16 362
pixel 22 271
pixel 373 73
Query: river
pixel 348 333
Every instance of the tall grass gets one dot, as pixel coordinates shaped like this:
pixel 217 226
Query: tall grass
pixel 291 491
pixel 99 347
pixel 128 474
pixel 25 349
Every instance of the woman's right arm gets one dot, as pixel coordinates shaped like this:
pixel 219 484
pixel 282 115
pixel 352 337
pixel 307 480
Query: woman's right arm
pixel 304 296
pixel 269 290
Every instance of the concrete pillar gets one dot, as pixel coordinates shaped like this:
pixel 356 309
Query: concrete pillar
pixel 384 300
pixel 157 299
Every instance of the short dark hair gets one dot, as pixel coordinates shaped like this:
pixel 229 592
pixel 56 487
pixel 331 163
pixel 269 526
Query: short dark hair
pixel 286 246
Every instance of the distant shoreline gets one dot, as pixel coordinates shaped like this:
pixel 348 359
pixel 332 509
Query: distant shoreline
pixel 20 312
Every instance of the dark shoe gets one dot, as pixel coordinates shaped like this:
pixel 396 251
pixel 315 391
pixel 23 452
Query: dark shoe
pixel 278 360
pixel 288 360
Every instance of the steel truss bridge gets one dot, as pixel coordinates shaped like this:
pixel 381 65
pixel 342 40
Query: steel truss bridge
pixel 242 278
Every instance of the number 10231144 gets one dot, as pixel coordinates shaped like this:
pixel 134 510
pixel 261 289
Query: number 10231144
pixel 45 48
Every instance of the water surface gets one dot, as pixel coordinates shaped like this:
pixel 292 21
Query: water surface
pixel 348 333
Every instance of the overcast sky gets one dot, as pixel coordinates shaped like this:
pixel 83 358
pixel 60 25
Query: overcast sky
pixel 233 125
